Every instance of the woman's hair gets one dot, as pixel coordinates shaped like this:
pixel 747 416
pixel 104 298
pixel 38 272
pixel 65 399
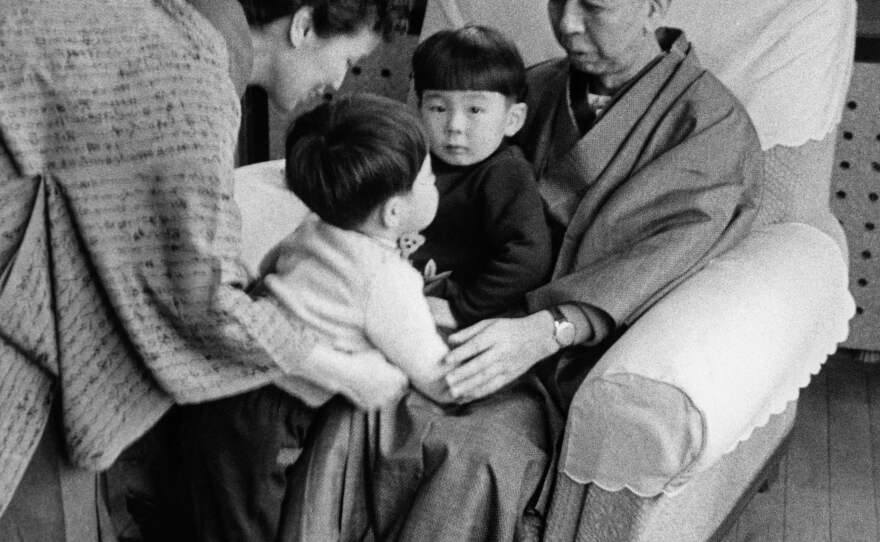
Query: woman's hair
pixel 469 58
pixel 331 17
pixel 346 157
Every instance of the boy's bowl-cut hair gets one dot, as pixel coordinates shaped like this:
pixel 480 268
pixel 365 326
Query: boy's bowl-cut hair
pixel 469 58
pixel 346 157
pixel 331 17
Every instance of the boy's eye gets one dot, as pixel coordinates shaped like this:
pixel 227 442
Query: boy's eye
pixel 436 108
pixel 476 110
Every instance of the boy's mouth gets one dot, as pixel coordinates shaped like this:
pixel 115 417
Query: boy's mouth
pixel 455 149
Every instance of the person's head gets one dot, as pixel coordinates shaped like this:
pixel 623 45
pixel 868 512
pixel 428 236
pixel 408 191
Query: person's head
pixel 607 37
pixel 303 47
pixel 362 158
pixel 470 84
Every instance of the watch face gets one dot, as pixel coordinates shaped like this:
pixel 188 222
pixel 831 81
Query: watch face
pixel 564 333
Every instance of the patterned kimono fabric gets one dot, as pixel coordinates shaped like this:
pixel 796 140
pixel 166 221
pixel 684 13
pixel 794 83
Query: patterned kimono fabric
pixel 664 181
pixel 120 290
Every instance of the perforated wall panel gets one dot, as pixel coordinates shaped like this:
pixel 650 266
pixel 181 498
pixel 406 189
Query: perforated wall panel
pixel 855 199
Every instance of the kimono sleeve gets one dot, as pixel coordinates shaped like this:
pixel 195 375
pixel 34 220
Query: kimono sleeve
pixel 691 194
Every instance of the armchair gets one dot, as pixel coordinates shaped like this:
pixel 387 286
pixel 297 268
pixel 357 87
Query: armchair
pixel 688 409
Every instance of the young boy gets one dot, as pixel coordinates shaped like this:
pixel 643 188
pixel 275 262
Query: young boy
pixel 361 165
pixel 490 242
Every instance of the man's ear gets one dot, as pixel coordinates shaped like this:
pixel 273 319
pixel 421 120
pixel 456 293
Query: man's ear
pixel 300 26
pixel 516 117
pixel 391 212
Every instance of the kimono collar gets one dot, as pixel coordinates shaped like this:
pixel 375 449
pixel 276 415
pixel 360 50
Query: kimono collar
pixel 669 39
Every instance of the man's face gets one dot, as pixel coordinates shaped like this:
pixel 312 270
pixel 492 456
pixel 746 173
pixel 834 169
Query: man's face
pixel 600 36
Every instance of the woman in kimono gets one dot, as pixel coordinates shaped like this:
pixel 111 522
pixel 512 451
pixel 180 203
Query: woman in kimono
pixel 120 288
pixel 648 168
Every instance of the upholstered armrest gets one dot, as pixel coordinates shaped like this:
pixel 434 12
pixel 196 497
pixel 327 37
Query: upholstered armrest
pixel 710 363
pixel 269 212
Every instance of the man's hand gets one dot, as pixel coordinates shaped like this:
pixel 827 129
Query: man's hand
pixel 492 353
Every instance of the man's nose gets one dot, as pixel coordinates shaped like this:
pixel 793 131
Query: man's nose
pixel 572 21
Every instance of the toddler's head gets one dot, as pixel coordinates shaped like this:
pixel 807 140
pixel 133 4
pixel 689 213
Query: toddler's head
pixel 470 83
pixel 362 160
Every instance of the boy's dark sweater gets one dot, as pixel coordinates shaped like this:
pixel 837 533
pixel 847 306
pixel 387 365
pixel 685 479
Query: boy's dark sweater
pixel 490 232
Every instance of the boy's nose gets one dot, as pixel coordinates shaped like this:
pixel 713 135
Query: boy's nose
pixel 455 122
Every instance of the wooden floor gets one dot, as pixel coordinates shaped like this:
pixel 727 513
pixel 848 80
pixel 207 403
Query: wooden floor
pixel 829 483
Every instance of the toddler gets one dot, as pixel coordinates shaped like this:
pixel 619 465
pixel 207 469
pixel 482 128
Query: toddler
pixel 361 164
pixel 490 242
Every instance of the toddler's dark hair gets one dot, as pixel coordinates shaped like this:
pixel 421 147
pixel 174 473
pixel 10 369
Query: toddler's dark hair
pixel 346 157
pixel 469 58
pixel 331 17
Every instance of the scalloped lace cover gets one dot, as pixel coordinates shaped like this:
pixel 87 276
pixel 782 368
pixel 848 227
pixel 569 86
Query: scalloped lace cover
pixel 789 62
pixel 739 340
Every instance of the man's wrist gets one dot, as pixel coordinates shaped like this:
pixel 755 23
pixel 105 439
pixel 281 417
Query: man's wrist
pixel 545 322
pixel 581 328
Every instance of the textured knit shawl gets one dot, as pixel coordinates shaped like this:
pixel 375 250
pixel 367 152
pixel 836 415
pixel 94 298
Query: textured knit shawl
pixel 669 177
pixel 120 291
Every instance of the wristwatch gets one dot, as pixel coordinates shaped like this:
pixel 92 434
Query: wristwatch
pixel 563 329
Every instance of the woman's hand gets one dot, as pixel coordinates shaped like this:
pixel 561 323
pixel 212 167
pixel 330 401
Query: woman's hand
pixel 366 378
pixel 492 353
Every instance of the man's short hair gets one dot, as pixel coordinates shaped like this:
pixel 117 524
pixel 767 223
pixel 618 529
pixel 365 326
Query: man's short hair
pixel 346 157
pixel 470 58
pixel 331 17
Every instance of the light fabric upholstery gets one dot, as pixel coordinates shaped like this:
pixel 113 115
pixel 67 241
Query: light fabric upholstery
pixel 710 362
pixel 269 212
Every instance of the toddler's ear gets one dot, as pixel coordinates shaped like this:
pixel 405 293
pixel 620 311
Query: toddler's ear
pixel 391 213
pixel 516 117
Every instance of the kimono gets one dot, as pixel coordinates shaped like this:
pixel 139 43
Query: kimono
pixel 120 287
pixel 668 178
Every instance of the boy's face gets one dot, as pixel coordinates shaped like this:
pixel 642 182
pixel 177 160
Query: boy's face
pixel 466 126
pixel 421 201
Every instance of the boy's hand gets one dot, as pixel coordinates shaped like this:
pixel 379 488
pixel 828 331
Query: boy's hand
pixel 442 313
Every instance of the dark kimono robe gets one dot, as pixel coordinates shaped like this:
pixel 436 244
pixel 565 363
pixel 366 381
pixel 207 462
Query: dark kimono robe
pixel 667 179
